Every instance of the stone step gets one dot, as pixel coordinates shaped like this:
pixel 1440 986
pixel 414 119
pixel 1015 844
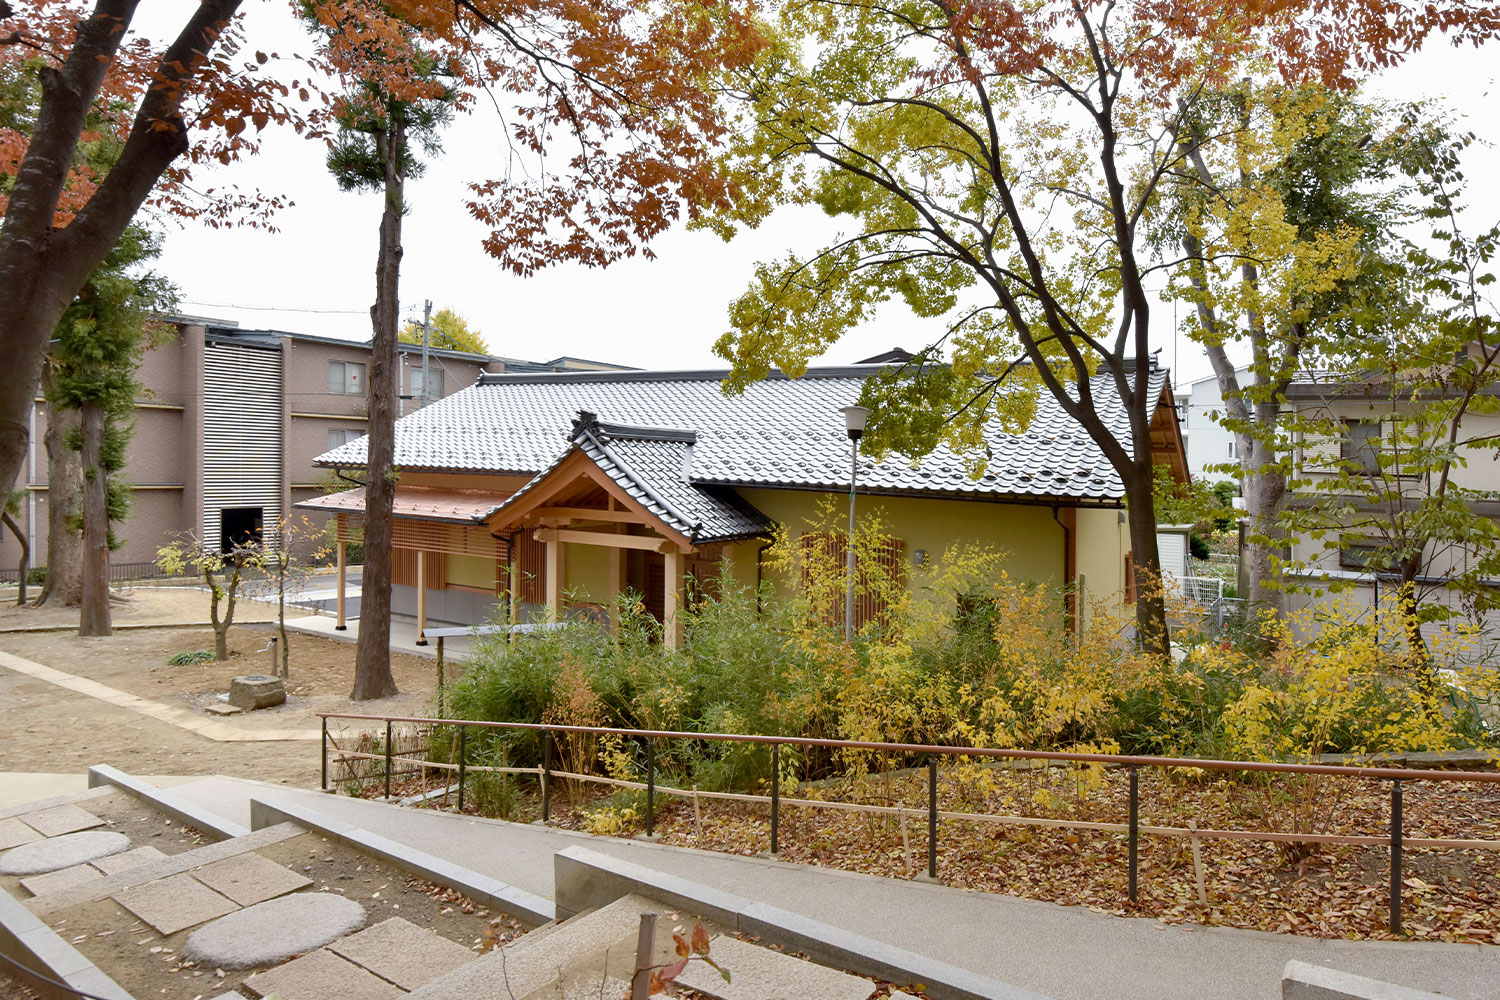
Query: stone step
pixel 757 973
pixel 575 956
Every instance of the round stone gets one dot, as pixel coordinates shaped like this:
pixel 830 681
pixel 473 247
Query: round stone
pixel 55 853
pixel 273 931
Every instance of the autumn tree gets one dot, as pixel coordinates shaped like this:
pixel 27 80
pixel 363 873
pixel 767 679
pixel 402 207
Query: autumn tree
pixel 998 165
pixel 383 123
pixel 449 332
pixel 1288 217
pixel 625 82
pixel 1387 435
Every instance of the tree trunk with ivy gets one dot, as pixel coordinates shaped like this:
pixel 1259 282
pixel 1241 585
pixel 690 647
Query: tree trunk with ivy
pixel 94 616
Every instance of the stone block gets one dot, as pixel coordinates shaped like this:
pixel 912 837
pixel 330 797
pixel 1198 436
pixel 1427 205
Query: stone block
pixel 14 833
pixel 1302 981
pixel 59 820
pixel 63 878
pixel 66 851
pixel 252 691
pixel 117 863
pixel 274 931
pixel 762 974
pixel 174 903
pixel 249 879
pixel 217 709
pixel 320 976
pixel 402 952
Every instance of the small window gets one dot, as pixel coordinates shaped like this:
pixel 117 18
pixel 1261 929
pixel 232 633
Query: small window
pixel 340 436
pixel 346 378
pixel 1360 447
pixel 1233 450
pixel 417 382
pixel 1363 552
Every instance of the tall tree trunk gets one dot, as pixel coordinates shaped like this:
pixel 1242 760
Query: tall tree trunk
pixel 1150 594
pixel 372 658
pixel 93 618
pixel 25 566
pixel 1265 489
pixel 64 583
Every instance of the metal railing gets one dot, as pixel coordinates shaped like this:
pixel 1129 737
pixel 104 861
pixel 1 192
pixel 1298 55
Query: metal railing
pixel 546 774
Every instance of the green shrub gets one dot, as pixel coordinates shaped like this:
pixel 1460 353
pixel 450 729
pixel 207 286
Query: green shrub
pixel 190 657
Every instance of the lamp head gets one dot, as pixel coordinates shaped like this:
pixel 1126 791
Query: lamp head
pixel 854 420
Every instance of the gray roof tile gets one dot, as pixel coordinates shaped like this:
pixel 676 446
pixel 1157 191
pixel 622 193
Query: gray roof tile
pixel 778 432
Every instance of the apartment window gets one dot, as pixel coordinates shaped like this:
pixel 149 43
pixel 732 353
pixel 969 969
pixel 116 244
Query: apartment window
pixel 417 383
pixel 346 378
pixel 1363 552
pixel 340 436
pixel 1233 450
pixel 1360 447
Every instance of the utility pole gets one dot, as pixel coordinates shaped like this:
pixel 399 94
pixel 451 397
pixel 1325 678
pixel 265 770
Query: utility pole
pixel 426 339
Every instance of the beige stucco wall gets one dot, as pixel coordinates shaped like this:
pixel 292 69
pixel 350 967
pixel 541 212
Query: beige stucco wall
pixel 1028 537
pixel 1103 541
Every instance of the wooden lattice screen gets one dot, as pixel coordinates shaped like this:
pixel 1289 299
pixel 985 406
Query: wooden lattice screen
pixel 531 567
pixel 432 536
pixel 871 604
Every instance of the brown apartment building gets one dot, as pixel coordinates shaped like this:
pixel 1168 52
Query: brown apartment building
pixel 228 424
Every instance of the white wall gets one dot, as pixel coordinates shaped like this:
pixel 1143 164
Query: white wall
pixel 1208 443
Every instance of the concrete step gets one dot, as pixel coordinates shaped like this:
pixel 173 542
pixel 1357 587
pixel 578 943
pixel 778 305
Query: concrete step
pixel 757 973
pixel 573 957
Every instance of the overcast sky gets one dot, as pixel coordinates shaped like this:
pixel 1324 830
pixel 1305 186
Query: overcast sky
pixel 317 274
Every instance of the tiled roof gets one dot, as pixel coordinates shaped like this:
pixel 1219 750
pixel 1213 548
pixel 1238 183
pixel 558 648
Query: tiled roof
pixel 779 432
pixel 420 503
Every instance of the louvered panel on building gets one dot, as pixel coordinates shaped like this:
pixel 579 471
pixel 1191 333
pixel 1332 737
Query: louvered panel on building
pixel 241 435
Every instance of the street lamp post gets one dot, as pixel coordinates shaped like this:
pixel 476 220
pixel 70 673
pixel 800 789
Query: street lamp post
pixel 854 423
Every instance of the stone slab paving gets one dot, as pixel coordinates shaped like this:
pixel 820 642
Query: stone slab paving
pixel 63 878
pixel 273 931
pixel 59 820
pixel 250 879
pixel 62 852
pixel 321 975
pixel 14 833
pixel 758 973
pixel 402 952
pixel 174 903
pixel 134 858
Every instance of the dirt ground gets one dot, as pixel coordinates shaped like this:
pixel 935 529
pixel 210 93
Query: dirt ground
pixel 134 606
pixel 52 729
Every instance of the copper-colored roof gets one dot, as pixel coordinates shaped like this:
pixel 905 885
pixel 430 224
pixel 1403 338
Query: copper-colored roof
pixel 419 503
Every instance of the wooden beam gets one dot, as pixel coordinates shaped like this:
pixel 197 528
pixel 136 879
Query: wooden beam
pixel 593 514
pixel 644 542
pixel 672 599
pixel 554 576
pixel 341 625
pixel 421 597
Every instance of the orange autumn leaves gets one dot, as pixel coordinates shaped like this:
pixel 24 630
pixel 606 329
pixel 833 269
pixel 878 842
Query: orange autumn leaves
pixel 607 111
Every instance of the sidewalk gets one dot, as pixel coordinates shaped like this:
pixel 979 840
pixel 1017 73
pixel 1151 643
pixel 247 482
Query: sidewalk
pixel 1062 952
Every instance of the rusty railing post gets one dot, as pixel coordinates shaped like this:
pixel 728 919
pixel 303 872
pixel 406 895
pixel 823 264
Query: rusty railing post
pixel 932 818
pixel 546 776
pixel 650 786
pixel 387 759
pixel 325 753
pixel 463 763
pixel 1396 857
pixel 775 798
pixel 1135 830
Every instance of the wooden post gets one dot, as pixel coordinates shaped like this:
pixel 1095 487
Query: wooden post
pixel 440 677
pixel 554 580
pixel 616 579
pixel 672 599
pixel 341 623
pixel 421 597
